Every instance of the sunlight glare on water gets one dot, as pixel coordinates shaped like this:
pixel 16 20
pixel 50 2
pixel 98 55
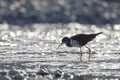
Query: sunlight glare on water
pixel 38 43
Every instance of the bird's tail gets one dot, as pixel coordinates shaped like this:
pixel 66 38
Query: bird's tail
pixel 92 36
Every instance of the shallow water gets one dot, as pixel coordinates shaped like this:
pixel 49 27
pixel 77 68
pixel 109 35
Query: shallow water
pixel 32 46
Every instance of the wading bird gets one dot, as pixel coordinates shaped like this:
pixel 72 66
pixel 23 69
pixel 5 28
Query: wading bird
pixel 79 40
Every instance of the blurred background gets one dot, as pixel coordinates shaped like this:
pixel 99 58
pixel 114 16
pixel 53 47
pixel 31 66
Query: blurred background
pixel 60 11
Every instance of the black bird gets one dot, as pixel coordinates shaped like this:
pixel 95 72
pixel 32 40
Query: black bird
pixel 79 40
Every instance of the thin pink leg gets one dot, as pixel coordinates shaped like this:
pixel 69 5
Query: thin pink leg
pixel 80 54
pixel 89 51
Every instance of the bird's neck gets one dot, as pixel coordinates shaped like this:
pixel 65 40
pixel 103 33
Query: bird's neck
pixel 68 43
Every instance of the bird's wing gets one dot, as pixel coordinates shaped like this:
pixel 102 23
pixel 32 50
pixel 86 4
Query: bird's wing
pixel 84 38
pixel 81 38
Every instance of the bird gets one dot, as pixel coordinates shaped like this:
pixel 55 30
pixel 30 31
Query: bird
pixel 79 40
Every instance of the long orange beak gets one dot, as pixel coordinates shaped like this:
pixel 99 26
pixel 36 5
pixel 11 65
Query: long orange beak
pixel 59 45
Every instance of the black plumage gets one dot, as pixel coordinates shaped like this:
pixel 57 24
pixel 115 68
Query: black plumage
pixel 83 39
pixel 79 40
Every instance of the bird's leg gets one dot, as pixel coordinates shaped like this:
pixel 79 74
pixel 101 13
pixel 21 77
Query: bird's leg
pixel 80 54
pixel 89 51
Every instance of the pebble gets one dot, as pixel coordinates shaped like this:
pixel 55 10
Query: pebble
pixel 57 74
pixel 17 74
pixel 68 76
pixel 5 78
pixel 13 72
pixel 43 72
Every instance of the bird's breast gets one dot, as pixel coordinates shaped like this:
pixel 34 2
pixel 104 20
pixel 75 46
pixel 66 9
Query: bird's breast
pixel 74 43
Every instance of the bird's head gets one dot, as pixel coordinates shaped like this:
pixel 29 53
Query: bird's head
pixel 64 40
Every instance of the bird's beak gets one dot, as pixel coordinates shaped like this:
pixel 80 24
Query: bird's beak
pixel 59 45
